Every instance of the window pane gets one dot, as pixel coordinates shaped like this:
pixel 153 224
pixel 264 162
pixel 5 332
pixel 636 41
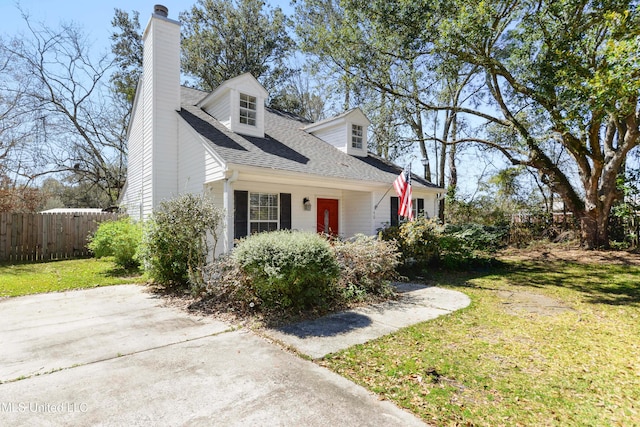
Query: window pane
pixel 248 109
pixel 264 213
pixel 356 136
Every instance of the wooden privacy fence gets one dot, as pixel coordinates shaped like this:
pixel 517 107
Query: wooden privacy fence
pixel 47 236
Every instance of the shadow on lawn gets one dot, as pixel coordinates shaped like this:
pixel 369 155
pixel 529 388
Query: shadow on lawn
pixel 612 284
pixel 121 272
pixel 609 283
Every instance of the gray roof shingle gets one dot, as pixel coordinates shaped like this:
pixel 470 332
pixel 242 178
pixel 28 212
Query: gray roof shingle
pixel 286 147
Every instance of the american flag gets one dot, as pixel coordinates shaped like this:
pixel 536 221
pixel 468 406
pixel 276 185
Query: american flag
pixel 402 185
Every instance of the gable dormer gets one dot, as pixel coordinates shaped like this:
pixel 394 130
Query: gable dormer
pixel 238 103
pixel 347 132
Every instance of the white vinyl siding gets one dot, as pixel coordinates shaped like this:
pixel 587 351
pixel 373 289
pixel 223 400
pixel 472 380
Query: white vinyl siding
pixel 336 136
pixel 357 216
pixel 132 198
pixel 196 164
pixel 222 112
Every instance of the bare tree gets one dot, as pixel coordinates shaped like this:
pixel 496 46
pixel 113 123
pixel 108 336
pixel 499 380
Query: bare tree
pixel 12 113
pixel 80 128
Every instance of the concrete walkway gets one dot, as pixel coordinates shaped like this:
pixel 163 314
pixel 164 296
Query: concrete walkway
pixel 317 338
pixel 118 356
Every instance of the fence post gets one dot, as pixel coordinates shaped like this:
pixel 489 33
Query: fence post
pixel 4 246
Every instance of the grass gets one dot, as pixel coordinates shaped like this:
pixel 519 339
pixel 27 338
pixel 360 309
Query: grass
pixel 54 276
pixel 497 363
pixel 572 362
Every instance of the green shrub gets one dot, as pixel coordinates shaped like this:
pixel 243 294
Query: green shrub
pixel 120 239
pixel 420 242
pixel 287 269
pixel 479 237
pixel 367 266
pixel 177 239
pixel 453 252
pixel 424 243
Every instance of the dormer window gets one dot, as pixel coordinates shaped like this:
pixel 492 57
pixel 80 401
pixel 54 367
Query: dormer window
pixel 347 132
pixel 356 136
pixel 247 109
pixel 238 104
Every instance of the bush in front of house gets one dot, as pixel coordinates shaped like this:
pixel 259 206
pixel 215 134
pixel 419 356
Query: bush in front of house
pixel 178 238
pixel 367 267
pixel 119 239
pixel 288 270
pixel 227 285
pixel 282 274
pixel 424 243
pixel 420 242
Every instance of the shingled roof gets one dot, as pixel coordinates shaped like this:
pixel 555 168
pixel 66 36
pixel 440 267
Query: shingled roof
pixel 286 146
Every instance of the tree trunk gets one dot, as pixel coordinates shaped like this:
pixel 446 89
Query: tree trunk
pixel 453 170
pixel 441 180
pixel 594 228
pixel 419 132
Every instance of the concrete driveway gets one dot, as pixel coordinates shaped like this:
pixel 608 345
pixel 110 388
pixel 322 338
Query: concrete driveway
pixel 117 356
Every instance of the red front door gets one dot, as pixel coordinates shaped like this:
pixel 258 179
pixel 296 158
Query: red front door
pixel 327 216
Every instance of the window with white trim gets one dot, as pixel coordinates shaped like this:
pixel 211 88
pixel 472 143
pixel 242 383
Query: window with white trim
pixel 247 109
pixel 263 212
pixel 356 136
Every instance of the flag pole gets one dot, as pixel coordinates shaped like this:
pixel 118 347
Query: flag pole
pixel 382 198
pixel 388 189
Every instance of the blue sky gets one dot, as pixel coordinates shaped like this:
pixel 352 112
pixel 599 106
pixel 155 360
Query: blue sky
pixel 94 16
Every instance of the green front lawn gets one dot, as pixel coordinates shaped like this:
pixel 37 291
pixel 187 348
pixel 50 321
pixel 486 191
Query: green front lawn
pixel 543 343
pixel 53 276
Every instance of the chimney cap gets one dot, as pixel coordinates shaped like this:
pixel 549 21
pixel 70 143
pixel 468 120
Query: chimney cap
pixel 161 10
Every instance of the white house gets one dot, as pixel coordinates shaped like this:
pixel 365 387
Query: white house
pixel 268 169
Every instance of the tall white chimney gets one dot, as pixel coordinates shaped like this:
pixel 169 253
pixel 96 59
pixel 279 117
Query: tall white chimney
pixel 161 100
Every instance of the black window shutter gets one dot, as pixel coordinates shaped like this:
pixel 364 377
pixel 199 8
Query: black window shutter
pixel 240 214
pixel 285 211
pixel 395 204
pixel 421 212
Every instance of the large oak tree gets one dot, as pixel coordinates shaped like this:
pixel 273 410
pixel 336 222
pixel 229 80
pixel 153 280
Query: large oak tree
pixel 561 73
